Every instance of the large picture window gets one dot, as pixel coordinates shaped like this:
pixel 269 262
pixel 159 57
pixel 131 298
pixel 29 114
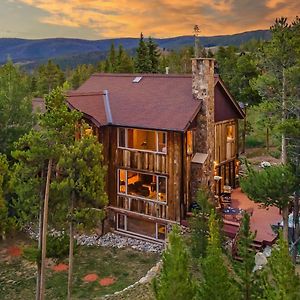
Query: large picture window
pixel 145 140
pixel 142 185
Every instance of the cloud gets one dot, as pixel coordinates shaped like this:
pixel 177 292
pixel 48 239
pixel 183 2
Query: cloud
pixel 161 18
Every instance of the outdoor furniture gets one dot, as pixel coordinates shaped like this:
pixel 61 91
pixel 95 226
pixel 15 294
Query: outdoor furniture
pixel 225 201
pixel 233 213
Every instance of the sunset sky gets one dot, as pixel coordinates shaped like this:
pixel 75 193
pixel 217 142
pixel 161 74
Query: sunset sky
pixel 99 19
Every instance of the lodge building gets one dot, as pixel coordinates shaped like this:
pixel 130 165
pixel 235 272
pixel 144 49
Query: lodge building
pixel 163 136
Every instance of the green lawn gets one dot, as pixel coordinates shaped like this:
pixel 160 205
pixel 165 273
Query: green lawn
pixel 17 275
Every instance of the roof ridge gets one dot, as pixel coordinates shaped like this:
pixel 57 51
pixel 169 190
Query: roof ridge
pixel 150 75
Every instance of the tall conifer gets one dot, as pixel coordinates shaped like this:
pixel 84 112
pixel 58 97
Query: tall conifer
pixel 175 280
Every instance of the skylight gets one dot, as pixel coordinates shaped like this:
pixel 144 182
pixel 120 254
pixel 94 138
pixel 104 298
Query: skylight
pixel 137 79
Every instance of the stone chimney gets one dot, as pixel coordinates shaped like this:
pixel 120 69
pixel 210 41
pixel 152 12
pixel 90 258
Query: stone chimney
pixel 203 90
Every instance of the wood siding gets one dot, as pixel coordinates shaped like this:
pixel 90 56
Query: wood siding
pixel 221 154
pixel 169 165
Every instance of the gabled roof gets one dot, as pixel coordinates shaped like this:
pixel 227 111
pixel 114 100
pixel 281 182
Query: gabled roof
pixel 155 101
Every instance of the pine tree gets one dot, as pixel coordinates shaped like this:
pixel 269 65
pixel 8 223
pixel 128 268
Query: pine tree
pixel 124 61
pixel 245 267
pixel 6 223
pixel 107 66
pixel 15 106
pixel 174 281
pixel 217 283
pixel 280 279
pixel 154 55
pixel 271 187
pixel 82 183
pixel 112 59
pixel 142 60
pixel 37 155
pixel 199 224
pixel 49 77
pixel 278 58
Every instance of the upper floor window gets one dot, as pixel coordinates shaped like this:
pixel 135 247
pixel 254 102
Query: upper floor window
pixel 145 140
pixel 230 141
pixel 189 142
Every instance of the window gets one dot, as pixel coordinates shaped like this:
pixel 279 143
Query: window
pixel 189 142
pixel 144 140
pixel 230 142
pixel 141 227
pixel 142 185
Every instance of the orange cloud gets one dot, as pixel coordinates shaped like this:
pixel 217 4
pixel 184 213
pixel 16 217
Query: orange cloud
pixel 161 18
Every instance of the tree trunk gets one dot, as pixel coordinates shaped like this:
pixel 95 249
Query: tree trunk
pixel 38 278
pixel 283 137
pixel 267 139
pixel 296 226
pixel 285 217
pixel 44 232
pixel 71 246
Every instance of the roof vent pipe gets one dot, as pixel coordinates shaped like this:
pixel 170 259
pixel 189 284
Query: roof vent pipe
pixel 167 70
pixel 107 107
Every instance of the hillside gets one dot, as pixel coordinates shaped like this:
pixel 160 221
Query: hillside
pixel 35 51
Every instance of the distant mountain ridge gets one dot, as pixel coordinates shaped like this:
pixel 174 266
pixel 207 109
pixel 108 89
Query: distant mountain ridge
pixel 25 51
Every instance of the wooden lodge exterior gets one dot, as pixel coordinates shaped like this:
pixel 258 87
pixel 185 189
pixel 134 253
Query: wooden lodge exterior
pixel 163 136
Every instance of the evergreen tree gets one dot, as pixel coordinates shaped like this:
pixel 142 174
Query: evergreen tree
pixel 124 61
pixel 277 59
pixel 112 59
pixel 107 66
pixel 280 281
pixel 142 60
pixel 81 74
pixel 199 224
pixel 15 106
pixel 6 222
pixel 153 55
pixel 49 77
pixel 81 166
pixel 272 187
pixel 174 281
pixel 37 155
pixel 216 284
pixel 245 267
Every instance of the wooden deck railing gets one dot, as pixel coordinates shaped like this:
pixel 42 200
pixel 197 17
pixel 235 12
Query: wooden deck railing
pixel 143 206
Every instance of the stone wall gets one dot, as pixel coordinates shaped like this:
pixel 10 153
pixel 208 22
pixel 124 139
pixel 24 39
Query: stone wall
pixel 203 90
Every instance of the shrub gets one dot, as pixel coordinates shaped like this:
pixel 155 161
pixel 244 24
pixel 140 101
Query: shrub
pixel 31 254
pixel 253 142
pixel 58 246
pixel 276 153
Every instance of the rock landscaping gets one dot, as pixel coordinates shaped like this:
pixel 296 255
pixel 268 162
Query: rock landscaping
pixel 108 240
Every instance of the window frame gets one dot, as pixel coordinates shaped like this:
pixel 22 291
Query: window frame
pixel 141 197
pixel 142 150
pixel 125 230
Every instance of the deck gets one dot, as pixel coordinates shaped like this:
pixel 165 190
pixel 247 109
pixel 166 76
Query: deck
pixel 261 219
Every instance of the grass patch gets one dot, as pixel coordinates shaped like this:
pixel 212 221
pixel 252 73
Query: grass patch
pixel 18 281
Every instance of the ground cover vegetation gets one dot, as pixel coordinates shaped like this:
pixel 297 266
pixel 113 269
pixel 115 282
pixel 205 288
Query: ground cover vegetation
pixel 18 280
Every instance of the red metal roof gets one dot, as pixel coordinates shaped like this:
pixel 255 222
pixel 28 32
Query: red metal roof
pixel 156 102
